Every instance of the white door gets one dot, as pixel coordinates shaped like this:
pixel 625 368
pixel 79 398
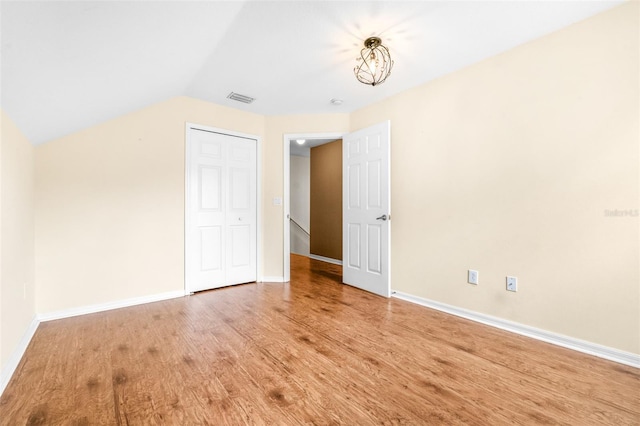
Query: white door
pixel 221 209
pixel 366 213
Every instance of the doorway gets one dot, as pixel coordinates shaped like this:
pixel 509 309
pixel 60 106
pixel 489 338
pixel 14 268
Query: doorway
pixel 366 207
pixel 299 226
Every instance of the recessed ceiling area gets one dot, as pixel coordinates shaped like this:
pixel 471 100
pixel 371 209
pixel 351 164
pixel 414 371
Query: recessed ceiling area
pixel 68 65
pixel 304 150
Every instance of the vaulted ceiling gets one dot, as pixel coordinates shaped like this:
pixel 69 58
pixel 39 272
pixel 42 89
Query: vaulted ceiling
pixel 68 65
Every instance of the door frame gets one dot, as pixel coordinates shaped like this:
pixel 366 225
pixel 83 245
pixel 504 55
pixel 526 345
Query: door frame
pixel 287 137
pixel 187 158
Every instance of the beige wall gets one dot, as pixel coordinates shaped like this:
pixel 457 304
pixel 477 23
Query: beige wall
pixel 509 166
pixel 110 201
pixel 326 200
pixel 273 183
pixel 17 300
pixel 110 204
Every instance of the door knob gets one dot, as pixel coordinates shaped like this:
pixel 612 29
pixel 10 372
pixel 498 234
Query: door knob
pixel 383 217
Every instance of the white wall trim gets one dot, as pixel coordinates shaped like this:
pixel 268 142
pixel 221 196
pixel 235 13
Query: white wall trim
pixel 14 360
pixel 272 280
pixel 325 259
pixel 91 309
pixel 611 354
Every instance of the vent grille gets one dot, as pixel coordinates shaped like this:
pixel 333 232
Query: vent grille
pixel 240 98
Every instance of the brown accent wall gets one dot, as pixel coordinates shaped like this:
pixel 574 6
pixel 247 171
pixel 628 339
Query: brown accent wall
pixel 326 200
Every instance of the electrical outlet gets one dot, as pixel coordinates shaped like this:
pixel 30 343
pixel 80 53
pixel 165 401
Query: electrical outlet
pixel 512 284
pixel 473 277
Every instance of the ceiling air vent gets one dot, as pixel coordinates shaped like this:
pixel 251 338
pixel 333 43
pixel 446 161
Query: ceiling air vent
pixel 240 98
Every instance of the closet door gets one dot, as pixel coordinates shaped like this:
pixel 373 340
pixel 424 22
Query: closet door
pixel 221 209
pixel 240 214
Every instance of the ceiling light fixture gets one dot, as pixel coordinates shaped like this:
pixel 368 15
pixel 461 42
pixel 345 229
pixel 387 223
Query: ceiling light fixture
pixel 374 63
pixel 300 141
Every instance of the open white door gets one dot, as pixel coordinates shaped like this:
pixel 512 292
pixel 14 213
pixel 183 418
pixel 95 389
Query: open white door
pixel 221 209
pixel 366 209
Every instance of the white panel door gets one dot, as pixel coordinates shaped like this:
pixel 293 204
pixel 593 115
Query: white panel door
pixel 221 230
pixel 366 209
pixel 241 211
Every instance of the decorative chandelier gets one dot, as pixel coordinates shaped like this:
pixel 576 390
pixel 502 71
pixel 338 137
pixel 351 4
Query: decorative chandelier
pixel 374 64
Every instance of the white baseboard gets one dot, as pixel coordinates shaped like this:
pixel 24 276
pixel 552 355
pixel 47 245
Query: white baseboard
pixel 612 354
pixel 272 280
pixel 325 259
pixel 91 309
pixel 10 367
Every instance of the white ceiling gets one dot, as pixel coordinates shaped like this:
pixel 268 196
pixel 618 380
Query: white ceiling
pixel 68 65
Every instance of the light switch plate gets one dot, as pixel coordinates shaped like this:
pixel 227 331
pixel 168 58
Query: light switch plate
pixel 512 284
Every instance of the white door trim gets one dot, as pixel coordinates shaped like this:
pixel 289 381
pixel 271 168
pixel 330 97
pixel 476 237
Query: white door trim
pixel 186 228
pixel 287 137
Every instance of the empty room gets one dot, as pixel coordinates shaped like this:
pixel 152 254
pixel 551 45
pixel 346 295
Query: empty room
pixel 320 212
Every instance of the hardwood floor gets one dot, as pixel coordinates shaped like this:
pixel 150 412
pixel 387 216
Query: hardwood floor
pixel 310 352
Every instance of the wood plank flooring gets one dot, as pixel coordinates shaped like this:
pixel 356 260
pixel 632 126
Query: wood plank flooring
pixel 310 352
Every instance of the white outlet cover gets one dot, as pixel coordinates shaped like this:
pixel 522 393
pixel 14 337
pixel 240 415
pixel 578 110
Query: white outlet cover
pixel 472 277
pixel 512 284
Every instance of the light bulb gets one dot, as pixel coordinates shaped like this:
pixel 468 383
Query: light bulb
pixel 373 63
pixel 300 141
